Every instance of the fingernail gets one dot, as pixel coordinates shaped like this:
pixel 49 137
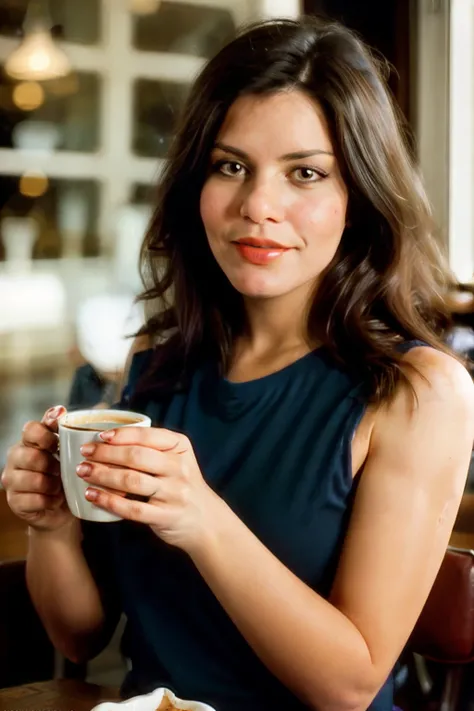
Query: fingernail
pixel 83 469
pixel 92 494
pixel 107 435
pixel 87 449
pixel 54 412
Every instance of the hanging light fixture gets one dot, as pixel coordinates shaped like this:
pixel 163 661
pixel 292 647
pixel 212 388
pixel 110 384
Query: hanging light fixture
pixel 38 57
pixel 144 7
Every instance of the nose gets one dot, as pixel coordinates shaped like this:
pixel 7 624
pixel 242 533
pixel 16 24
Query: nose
pixel 262 202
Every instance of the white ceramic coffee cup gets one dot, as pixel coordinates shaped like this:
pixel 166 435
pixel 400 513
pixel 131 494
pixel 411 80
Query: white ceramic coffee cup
pixel 78 428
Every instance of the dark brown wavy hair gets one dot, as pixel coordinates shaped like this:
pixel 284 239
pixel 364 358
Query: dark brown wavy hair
pixel 386 282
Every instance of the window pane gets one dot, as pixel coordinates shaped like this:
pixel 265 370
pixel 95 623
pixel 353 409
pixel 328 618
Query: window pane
pixel 67 117
pixel 156 106
pixel 183 28
pixel 62 221
pixel 71 20
pixel 142 194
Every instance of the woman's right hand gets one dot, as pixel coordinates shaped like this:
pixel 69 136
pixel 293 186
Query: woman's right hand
pixel 32 478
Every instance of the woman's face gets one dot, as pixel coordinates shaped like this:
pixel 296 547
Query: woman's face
pixel 274 204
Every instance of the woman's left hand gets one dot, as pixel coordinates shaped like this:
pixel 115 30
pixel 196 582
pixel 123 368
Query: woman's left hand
pixel 160 466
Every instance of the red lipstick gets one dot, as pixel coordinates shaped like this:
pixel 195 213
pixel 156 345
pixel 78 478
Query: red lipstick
pixel 259 251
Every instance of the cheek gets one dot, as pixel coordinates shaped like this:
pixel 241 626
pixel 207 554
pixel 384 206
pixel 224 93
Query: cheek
pixel 323 221
pixel 213 207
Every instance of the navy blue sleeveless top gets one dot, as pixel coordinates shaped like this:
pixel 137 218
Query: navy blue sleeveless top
pixel 278 450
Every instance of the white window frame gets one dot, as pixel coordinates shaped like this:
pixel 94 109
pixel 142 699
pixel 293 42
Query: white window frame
pixel 461 139
pixel 432 105
pixel 445 123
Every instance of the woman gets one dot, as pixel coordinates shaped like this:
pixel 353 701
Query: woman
pixel 287 515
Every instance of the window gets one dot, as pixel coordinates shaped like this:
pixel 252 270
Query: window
pixel 445 96
pixel 66 117
pixel 461 143
pixel 63 212
pixel 156 107
pixel 184 29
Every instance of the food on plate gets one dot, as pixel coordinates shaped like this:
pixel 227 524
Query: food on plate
pixel 160 700
pixel 167 705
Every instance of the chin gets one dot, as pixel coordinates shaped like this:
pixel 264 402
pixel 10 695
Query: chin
pixel 259 286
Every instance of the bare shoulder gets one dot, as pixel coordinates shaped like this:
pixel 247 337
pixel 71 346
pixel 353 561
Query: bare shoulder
pixel 441 391
pixel 438 377
pixel 434 418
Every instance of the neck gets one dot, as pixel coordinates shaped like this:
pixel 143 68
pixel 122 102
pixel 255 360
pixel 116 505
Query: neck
pixel 277 324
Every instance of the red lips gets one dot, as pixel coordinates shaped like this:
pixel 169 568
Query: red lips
pixel 259 251
pixel 260 242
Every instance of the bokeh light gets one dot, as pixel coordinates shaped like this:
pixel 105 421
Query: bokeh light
pixel 28 96
pixel 33 184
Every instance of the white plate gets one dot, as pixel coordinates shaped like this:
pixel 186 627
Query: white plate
pixel 150 702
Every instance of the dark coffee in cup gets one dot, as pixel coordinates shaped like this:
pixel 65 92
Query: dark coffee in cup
pixel 97 422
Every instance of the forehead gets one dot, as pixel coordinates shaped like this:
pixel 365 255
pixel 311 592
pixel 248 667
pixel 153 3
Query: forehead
pixel 284 122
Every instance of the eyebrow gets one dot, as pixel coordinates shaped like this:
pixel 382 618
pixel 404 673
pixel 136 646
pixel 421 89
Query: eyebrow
pixel 299 155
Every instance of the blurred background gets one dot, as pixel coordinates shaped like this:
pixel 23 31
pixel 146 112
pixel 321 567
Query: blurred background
pixel 89 95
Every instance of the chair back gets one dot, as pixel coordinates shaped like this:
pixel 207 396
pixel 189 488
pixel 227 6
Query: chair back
pixel 26 654
pixel 445 629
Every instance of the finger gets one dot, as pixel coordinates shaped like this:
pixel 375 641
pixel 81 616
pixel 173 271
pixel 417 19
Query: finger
pixel 150 514
pixel 37 434
pixel 28 482
pixel 143 459
pixel 129 481
pixel 34 503
pixel 51 416
pixel 153 437
pixel 36 460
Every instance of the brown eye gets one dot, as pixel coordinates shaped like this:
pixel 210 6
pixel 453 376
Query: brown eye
pixel 308 175
pixel 231 169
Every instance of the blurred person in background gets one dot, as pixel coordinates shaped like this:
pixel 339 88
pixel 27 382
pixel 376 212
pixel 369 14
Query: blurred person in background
pixel 286 517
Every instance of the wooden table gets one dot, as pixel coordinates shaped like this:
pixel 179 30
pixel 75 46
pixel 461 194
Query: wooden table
pixel 63 695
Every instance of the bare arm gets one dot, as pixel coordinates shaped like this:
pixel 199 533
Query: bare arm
pixel 66 595
pixel 337 654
